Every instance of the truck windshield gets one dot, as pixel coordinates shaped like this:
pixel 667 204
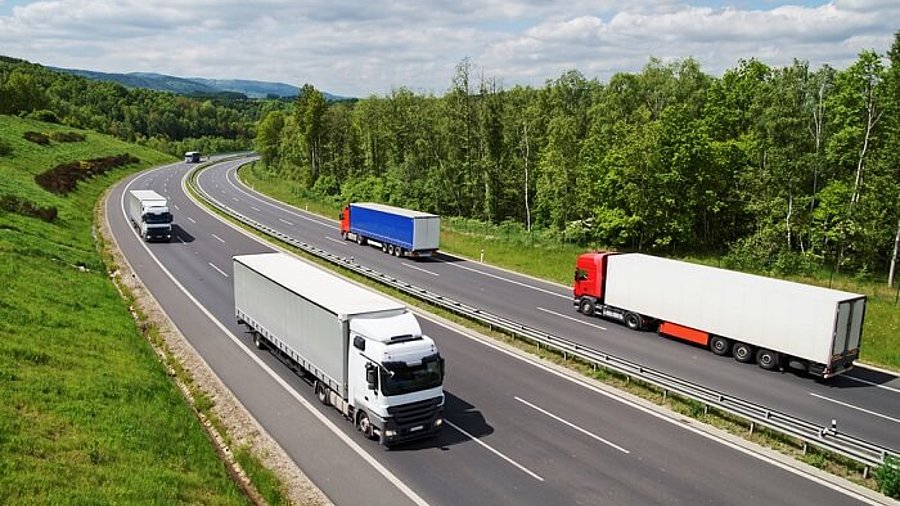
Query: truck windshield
pixel 158 218
pixel 397 378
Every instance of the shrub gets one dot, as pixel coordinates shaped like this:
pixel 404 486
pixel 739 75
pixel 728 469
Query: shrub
pixel 37 138
pixel 888 477
pixel 67 137
pixel 14 204
pixel 63 178
pixel 44 115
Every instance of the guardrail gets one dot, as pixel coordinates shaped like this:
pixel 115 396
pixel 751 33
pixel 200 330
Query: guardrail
pixel 827 437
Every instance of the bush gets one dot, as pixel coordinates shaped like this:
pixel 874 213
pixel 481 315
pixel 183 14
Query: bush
pixel 888 477
pixel 63 178
pixel 45 116
pixel 67 137
pixel 37 138
pixel 14 204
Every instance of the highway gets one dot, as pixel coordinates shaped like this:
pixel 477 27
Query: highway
pixel 863 402
pixel 518 432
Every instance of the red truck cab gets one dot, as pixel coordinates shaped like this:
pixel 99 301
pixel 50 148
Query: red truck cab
pixel 345 221
pixel 590 276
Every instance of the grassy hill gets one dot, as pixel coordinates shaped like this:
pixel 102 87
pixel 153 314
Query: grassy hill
pixel 88 414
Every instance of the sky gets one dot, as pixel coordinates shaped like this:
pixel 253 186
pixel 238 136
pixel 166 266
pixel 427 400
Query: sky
pixel 364 47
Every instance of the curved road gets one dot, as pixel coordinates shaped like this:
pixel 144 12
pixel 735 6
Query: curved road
pixel 518 432
pixel 864 402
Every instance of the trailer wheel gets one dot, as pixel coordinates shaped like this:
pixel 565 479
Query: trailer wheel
pixel 258 341
pixel 742 352
pixel 321 392
pixel 398 251
pixel 384 247
pixel 634 321
pixel 587 307
pixel 364 425
pixel 390 249
pixel 767 359
pixel 360 239
pixel 719 345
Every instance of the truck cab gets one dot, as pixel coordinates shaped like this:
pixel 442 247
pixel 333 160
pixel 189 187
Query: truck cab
pixel 395 379
pixel 590 274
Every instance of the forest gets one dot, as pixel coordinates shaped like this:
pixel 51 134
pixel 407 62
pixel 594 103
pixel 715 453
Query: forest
pixel 776 169
pixel 163 121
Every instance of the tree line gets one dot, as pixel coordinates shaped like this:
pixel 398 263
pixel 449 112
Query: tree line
pixel 786 169
pixel 164 121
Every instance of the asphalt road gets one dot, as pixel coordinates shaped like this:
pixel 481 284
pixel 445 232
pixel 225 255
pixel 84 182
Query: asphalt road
pixel 863 402
pixel 517 432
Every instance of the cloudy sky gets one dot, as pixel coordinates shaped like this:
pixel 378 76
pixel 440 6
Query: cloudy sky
pixel 364 47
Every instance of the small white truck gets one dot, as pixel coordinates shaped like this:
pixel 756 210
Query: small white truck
pixel 150 215
pixel 365 354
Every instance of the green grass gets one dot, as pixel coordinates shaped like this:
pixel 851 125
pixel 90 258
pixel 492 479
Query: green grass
pixel 554 261
pixel 88 414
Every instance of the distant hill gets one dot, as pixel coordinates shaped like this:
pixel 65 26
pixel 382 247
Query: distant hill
pixel 196 85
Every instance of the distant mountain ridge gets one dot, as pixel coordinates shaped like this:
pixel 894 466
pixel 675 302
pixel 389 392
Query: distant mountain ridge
pixel 195 85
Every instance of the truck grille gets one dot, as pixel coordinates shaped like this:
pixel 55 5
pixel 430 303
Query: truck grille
pixel 414 413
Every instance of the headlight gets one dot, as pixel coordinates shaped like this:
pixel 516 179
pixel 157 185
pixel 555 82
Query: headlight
pixel 439 422
pixel 390 433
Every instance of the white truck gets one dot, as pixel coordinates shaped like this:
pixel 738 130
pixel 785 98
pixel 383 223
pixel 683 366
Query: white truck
pixel 778 323
pixel 365 354
pixel 150 215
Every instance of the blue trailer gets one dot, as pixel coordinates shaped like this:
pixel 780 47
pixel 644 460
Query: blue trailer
pixel 398 231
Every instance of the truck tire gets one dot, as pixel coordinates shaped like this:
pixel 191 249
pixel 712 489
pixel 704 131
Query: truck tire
pixel 258 341
pixel 364 425
pixel 767 359
pixel 719 345
pixel 321 392
pixel 344 235
pixel 586 306
pixel 742 352
pixel 390 249
pixel 398 251
pixel 634 321
pixel 384 247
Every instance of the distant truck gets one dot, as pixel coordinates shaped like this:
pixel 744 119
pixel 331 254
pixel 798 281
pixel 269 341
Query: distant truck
pixel 774 322
pixel 365 354
pixel 192 157
pixel 398 231
pixel 150 215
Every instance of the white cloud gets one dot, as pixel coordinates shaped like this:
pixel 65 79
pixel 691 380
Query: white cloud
pixel 363 47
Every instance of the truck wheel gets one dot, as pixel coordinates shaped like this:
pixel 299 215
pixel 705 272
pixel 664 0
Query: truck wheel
pixel 587 307
pixel 742 352
pixel 383 247
pixel 634 321
pixel 321 392
pixel 398 251
pixel 258 341
pixel 364 425
pixel 344 235
pixel 719 345
pixel 767 359
pixel 360 239
pixel 390 249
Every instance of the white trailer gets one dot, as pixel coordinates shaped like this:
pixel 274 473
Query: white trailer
pixel 150 215
pixel 776 322
pixel 366 354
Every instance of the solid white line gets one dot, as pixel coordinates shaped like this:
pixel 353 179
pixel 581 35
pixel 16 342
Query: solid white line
pixel 419 269
pixel 220 271
pixel 285 221
pixel 851 406
pixel 867 382
pixel 572 425
pixel 192 220
pixel 281 206
pixel 554 313
pixel 378 466
pixel 217 238
pixel 501 278
pixel 495 452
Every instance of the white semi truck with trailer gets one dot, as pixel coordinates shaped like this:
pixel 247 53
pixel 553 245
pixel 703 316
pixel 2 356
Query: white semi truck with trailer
pixel 777 323
pixel 365 354
pixel 150 215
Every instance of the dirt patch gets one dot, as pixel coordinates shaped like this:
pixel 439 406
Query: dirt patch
pixel 241 429
pixel 62 179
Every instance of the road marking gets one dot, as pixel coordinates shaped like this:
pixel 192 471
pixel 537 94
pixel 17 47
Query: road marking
pixel 191 220
pixel 554 313
pixel 176 207
pixel 339 241
pixel 419 269
pixel 851 406
pixel 220 271
pixel 353 445
pixel 867 382
pixel 255 209
pixel 235 199
pixel 572 425
pixel 495 452
pixel 285 221
pixel 501 278
pixel 217 238
pixel 180 239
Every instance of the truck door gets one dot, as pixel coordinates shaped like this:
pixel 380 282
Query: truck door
pixel 848 327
